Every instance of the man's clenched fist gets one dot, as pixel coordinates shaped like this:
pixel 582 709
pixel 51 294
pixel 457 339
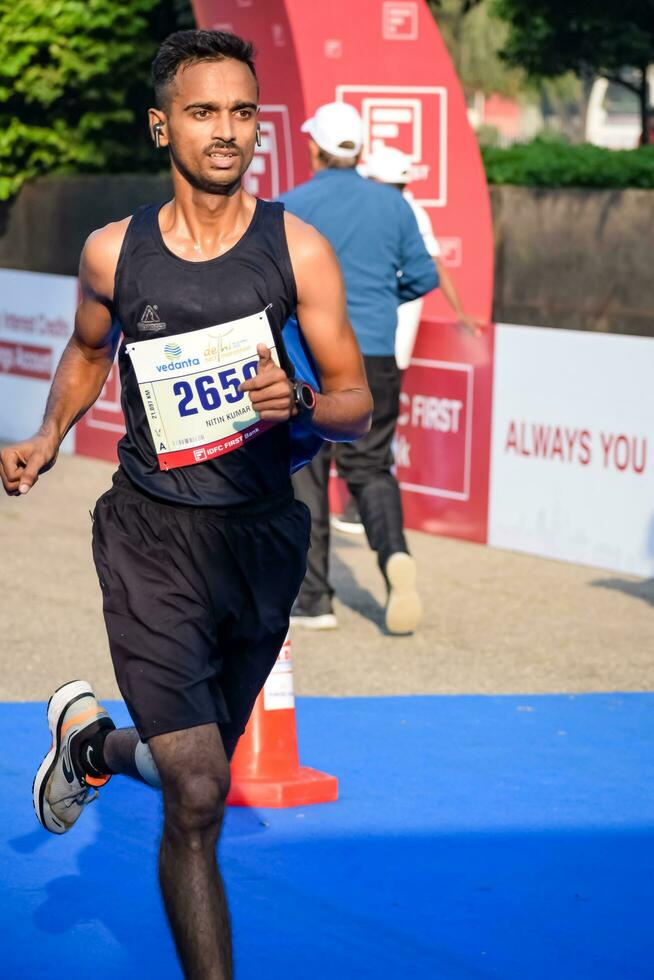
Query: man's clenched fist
pixel 20 465
pixel 270 391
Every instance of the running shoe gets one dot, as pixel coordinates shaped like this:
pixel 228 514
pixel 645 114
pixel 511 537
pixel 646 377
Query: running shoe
pixel 404 608
pixel 350 520
pixel 318 616
pixel 61 788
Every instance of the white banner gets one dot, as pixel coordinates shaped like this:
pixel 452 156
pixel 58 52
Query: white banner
pixel 37 314
pixel 572 455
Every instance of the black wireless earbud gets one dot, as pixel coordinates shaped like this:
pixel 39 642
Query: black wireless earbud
pixel 156 134
pixel 258 137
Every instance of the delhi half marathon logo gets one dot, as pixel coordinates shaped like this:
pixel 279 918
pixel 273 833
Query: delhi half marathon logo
pixel 150 322
pixel 218 347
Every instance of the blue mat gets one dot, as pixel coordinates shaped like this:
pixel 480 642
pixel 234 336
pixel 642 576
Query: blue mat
pixel 475 837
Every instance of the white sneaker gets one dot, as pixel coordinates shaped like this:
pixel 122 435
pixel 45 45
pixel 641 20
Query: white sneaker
pixel 404 608
pixel 345 525
pixel 61 789
pixel 350 520
pixel 322 621
pixel 317 614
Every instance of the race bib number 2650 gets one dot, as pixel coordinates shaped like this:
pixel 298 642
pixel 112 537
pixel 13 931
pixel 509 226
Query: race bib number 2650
pixel 189 384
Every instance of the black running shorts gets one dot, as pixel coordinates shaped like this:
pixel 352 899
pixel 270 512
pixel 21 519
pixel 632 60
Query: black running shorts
pixel 196 603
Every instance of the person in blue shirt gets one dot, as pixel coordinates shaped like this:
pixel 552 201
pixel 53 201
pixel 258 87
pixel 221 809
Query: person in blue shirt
pixel 384 262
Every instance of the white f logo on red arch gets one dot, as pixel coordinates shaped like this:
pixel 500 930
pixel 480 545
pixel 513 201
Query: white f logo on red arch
pixel 412 119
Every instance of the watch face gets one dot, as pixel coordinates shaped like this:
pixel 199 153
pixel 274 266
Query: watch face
pixel 307 397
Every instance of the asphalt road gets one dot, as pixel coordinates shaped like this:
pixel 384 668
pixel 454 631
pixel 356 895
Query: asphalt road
pixel 495 622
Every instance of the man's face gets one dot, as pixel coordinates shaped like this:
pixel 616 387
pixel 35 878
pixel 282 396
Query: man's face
pixel 212 122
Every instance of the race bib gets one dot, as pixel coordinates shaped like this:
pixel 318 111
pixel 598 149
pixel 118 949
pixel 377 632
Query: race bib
pixel 189 386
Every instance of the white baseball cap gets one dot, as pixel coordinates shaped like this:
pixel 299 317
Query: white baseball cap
pixel 388 165
pixel 333 124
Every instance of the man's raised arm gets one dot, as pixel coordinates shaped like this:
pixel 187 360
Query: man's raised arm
pixel 82 369
pixel 343 409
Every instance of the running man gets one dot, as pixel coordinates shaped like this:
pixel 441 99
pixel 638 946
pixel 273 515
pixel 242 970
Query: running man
pixel 200 551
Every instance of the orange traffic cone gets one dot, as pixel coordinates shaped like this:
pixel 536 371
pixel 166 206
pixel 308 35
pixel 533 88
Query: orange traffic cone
pixel 266 768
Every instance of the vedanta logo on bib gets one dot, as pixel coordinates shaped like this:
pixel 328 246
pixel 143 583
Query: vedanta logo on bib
pixel 172 352
pixel 178 365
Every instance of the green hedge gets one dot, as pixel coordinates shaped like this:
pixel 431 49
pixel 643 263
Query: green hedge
pixel 544 163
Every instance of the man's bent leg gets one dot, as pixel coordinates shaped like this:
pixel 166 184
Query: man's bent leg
pixel 195 781
pixel 123 752
pixel 311 487
pixel 366 467
pixel 366 464
pixel 380 508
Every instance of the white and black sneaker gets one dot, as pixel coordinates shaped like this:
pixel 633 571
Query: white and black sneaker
pixel 350 520
pixel 317 616
pixel 61 787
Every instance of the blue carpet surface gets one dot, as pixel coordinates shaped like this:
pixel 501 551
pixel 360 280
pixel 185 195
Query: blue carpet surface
pixel 475 837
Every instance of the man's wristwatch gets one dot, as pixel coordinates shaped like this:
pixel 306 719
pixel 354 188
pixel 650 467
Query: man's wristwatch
pixel 304 398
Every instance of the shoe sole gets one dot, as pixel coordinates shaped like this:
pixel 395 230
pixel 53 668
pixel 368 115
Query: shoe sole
pixel 404 608
pixel 58 705
pixel 327 621
pixel 347 527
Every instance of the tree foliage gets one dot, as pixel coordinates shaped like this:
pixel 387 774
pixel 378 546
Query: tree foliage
pixel 74 84
pixel 609 38
pixel 474 35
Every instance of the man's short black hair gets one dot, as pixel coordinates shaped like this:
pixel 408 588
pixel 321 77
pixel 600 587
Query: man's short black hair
pixel 187 47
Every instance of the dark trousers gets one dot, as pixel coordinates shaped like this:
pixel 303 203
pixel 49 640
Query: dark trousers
pixel 365 465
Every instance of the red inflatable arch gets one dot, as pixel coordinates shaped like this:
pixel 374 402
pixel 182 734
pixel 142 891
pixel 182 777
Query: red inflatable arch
pixel 387 59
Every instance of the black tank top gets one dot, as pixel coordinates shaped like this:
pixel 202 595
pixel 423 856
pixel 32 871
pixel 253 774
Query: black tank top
pixel 154 287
